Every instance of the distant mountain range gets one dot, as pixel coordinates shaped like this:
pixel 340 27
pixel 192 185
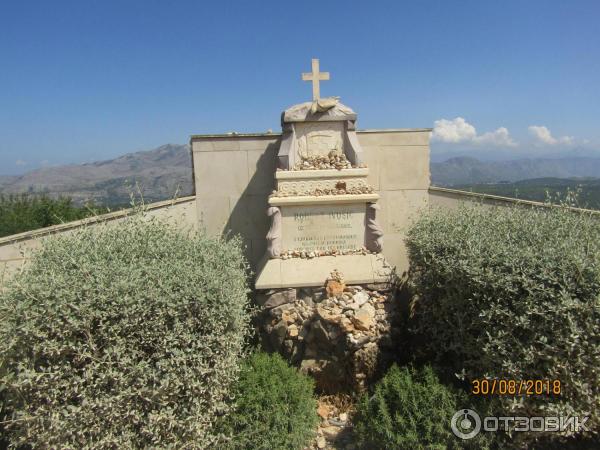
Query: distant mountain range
pixel 167 169
pixel 160 173
pixel 467 170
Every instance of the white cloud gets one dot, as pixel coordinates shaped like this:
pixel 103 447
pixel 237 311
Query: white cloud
pixel 20 162
pixel 458 130
pixel 543 135
pixel 453 131
pixel 500 137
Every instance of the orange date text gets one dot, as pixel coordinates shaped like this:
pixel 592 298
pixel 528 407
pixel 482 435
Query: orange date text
pixel 495 386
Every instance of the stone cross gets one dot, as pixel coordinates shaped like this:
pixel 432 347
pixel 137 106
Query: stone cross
pixel 315 76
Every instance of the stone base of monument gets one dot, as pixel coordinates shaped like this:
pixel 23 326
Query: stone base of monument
pixel 343 341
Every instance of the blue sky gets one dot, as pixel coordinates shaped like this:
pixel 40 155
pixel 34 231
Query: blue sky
pixel 88 80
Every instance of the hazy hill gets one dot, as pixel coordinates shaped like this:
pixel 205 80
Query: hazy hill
pixel 159 172
pixel 466 170
pixel 162 170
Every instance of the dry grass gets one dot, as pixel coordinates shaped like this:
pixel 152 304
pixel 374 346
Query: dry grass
pixel 339 403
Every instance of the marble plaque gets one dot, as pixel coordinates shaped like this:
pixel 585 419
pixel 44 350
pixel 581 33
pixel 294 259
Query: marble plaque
pixel 323 227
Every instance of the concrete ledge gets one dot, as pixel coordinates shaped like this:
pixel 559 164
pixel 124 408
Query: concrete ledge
pixel 321 118
pixel 232 142
pixel 301 174
pixel 323 199
pixel 298 272
pixel 395 130
pixel 277 134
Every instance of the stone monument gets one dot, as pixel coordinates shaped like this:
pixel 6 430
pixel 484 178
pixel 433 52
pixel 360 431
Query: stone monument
pixel 323 212
pixel 307 207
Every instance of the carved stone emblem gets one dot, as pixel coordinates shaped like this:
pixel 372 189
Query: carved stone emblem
pixel 319 139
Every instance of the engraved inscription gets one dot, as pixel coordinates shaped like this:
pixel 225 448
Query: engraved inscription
pixel 324 227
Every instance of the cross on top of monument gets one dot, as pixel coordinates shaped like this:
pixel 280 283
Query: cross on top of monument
pixel 315 76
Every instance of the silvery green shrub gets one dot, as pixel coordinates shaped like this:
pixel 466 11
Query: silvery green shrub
pixel 123 335
pixel 513 293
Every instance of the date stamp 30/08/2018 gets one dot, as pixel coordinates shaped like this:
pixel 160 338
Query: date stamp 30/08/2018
pixel 502 386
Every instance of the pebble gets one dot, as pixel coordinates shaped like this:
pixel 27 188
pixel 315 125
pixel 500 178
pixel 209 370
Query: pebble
pixel 288 254
pixel 337 423
pixel 361 298
pixel 334 160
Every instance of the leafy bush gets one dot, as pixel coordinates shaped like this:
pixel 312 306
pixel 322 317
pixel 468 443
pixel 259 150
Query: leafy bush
pixel 123 335
pixel 275 407
pixel 26 212
pixel 512 293
pixel 409 409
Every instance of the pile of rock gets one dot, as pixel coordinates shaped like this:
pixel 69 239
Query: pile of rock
pixel 354 190
pixel 334 160
pixel 339 334
pixel 304 254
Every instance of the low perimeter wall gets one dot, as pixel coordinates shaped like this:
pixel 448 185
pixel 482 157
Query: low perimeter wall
pixel 399 207
pixel 16 250
pixel 440 197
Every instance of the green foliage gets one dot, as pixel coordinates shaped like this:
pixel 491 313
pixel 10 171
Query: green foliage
pixel 275 407
pixel 544 189
pixel 409 409
pixel 512 293
pixel 19 213
pixel 123 335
